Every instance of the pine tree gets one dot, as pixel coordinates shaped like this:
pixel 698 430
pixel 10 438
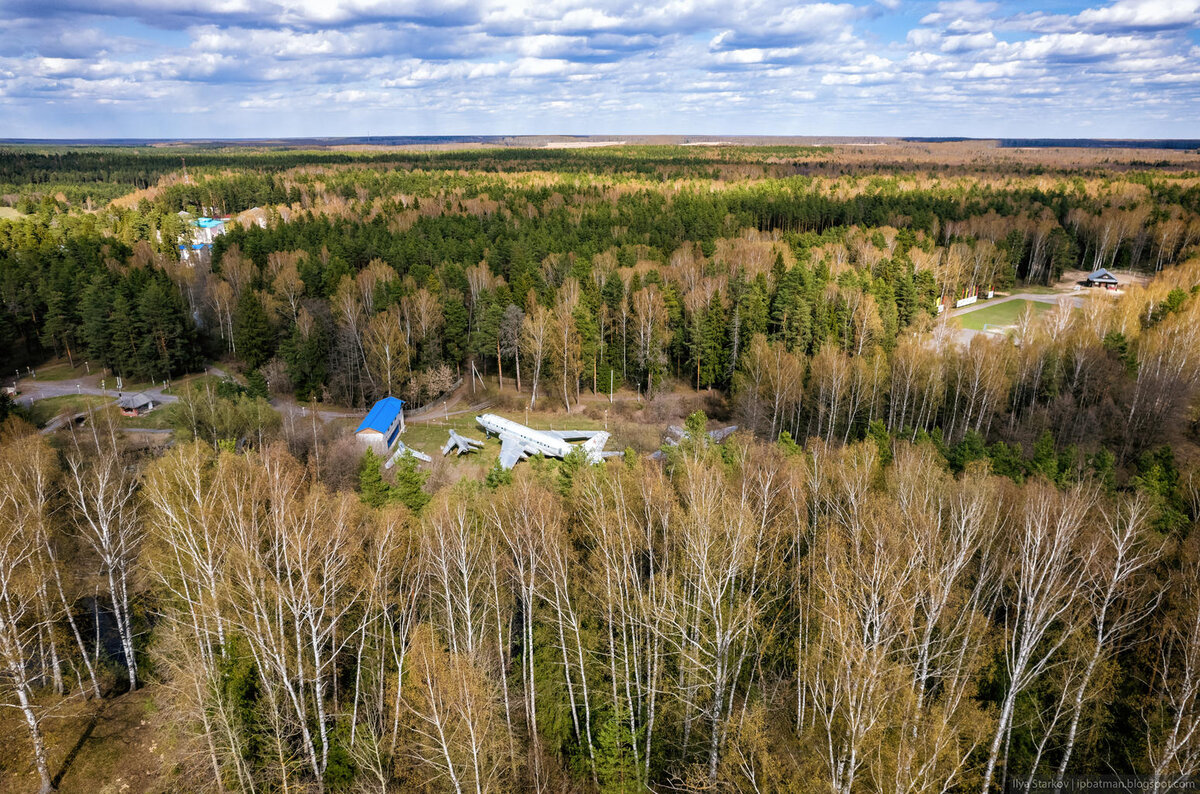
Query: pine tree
pixel 409 479
pixel 94 307
pixel 713 343
pixel 616 757
pixel 371 488
pixel 252 331
pixel 58 327
pixel 498 476
pixel 167 344
pixel 123 346
pixel 1045 458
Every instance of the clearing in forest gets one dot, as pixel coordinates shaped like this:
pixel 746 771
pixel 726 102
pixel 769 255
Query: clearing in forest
pixel 1000 315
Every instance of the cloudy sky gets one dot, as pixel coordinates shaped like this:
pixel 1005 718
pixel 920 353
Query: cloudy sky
pixel 247 68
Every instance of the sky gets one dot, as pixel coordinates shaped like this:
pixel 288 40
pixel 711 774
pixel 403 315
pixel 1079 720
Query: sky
pixel 297 68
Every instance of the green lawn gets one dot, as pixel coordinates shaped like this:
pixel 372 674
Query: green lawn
pixel 199 380
pixel 1000 314
pixel 43 411
pixel 60 370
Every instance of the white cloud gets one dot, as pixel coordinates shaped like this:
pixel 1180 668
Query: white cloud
pixel 602 65
pixel 1143 14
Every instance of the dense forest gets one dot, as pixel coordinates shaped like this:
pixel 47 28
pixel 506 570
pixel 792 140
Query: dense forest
pixel 929 561
pixel 345 281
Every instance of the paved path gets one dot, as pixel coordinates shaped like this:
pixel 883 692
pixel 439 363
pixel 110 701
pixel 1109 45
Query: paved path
pixel 289 406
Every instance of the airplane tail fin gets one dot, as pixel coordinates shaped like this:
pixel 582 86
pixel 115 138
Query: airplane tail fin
pixel 594 447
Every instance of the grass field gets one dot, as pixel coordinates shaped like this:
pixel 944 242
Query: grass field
pixel 60 370
pixel 1000 314
pixel 199 380
pixel 43 411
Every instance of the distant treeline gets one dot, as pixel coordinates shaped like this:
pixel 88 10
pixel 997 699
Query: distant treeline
pixel 106 172
pixel 1077 143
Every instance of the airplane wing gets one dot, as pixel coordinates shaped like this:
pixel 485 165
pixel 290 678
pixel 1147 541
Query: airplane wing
pixel 725 432
pixel 402 450
pixel 449 445
pixel 573 435
pixel 511 450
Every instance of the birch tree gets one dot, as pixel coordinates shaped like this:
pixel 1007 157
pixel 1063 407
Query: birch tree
pixel 103 492
pixel 1045 593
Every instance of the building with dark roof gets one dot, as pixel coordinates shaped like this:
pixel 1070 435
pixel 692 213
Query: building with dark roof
pixel 135 404
pixel 1102 278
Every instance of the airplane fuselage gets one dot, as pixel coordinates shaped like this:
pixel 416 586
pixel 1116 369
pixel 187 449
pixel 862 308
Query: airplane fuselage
pixel 551 446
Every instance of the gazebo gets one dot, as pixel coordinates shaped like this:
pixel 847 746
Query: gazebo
pixel 1102 278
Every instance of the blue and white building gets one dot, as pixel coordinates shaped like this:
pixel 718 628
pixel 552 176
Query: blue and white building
pixel 383 425
pixel 198 240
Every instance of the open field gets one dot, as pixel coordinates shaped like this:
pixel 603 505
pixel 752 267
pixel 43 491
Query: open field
pixel 197 380
pixel 639 425
pixel 45 410
pixel 1000 314
pixel 429 436
pixel 60 369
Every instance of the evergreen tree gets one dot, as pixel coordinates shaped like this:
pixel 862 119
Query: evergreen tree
pixel 252 332
pixel 589 342
pixel 616 757
pixel 1045 458
pixel 167 344
pixel 95 307
pixel 58 326
pixel 306 357
pixel 256 384
pixel 124 345
pixel 454 327
pixel 409 479
pixel 371 488
pixel 498 476
pixel 713 344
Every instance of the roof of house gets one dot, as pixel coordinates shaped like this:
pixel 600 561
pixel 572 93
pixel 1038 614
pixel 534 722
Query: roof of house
pixel 382 415
pixel 1102 275
pixel 131 401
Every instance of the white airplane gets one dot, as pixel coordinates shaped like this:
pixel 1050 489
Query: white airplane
pixel 518 441
pixel 461 444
